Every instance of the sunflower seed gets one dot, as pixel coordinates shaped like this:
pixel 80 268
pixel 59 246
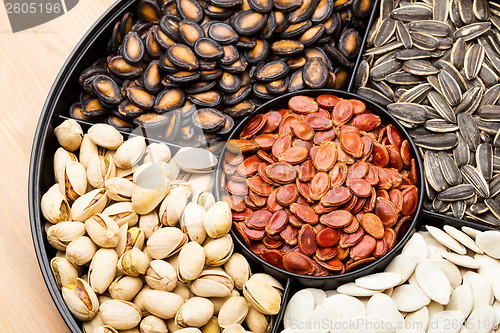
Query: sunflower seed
pixel 481 9
pixel 441 106
pixel 469 130
pixel 472 30
pixel 455 13
pixel 458 208
pixel 374 96
pixel 362 74
pixel 419 67
pixel 433 80
pixel 495 186
pixel 487 126
pixel 385 32
pixel 473 60
pixel 381 87
pixel 458 192
pixel 450 88
pixel 453 71
pixel 381 71
pixel 484 160
pixel 424 41
pixel 472 176
pixel 384 49
pixel 431 27
pixel 493 56
pixel 403 78
pixel 440 206
pixel 496 143
pixel 445 43
pixel 465 9
pixel 412 13
pixel 433 172
pixel 412 54
pixel 449 169
pixel 479 208
pixel 386 7
pixel 409 112
pixel 440 10
pixel 433 114
pixel 470 101
pixel 403 34
pixel 437 141
pixel 416 94
pixel 490 96
pixel 494 206
pixel 490 113
pixel 457 55
pixel 488 75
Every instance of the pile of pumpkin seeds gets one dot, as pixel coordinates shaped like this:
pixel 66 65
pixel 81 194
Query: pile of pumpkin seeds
pixel 435 65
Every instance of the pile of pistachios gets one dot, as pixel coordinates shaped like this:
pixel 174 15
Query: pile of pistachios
pixel 142 244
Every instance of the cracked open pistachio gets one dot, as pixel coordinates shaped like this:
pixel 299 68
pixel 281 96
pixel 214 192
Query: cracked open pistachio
pixel 55 208
pixel 149 223
pixel 139 300
pixel 218 251
pixel 219 301
pixel 204 199
pixel 233 311
pixel 69 134
pixel 239 269
pixel 192 222
pixel 149 192
pixel 157 152
pixel 234 328
pixel 87 150
pixel 218 220
pixel 81 300
pixel 61 158
pixel 162 304
pixel 152 324
pixel 92 325
pixel 195 312
pixel 120 314
pixel 133 262
pixel 172 207
pixel 191 262
pixel 64 272
pixel 258 322
pixel 263 296
pixel 130 152
pixel 103 230
pixel 119 189
pixel 161 276
pixel 99 169
pixel 122 213
pixel 105 136
pixel 125 287
pixel 61 234
pixel 129 238
pixel 202 182
pixel 183 291
pixel 165 242
pixel 102 269
pixel 80 250
pixel 89 204
pixel 74 182
pixel 211 327
pixel 213 282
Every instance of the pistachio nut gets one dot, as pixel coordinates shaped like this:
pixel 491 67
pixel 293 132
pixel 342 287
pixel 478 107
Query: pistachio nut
pixel 105 136
pixel 103 230
pixel 262 296
pixel 129 238
pixel 119 189
pixel 149 223
pixel 74 182
pixel 219 301
pixel 174 261
pixel 99 169
pixel 151 169
pixel 202 182
pixel 218 220
pixel 157 152
pixel 235 328
pixel 64 272
pixel 149 193
pixel 204 199
pixel 211 327
pixel 218 251
pixel 196 312
pixel 183 291
pixel 55 207
pixel 191 262
pixel 161 276
pixel 127 173
pixel 172 207
pixel 93 325
pixel 152 324
pixel 133 262
pixel 89 204
pixel 162 304
pixel 130 152
pixel 81 250
pixel 165 242
pixel 87 150
pixel 81 300
pixel 61 234
pixel 139 300
pixel 258 322
pixel 123 213
pixel 213 282
pixel 172 326
pixel 69 134
pixel 102 269
pixel 125 287
pixel 192 222
pixel 266 278
pixel 182 186
pixel 233 311
pixel 239 269
pixel 61 158
pixel 120 314
pixel 104 298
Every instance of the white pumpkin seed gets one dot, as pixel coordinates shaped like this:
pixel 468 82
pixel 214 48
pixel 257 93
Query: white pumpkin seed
pixel 489 241
pixel 318 294
pixel 450 270
pixel 446 322
pixel 471 231
pixel 382 307
pixel 460 260
pixel 446 240
pixel 345 306
pixel 352 289
pixel 481 289
pixel 489 266
pixel 409 298
pixel 379 281
pixel 434 307
pixel 418 319
pixel 463 238
pixel 481 320
pixel 299 305
pixel 433 282
pixel 461 300
pixel 417 247
pixel 404 265
pixel 496 288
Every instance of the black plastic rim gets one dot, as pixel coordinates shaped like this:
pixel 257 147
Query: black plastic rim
pixel 279 102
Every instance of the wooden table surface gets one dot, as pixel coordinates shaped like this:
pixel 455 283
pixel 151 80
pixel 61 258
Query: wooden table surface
pixel 29 63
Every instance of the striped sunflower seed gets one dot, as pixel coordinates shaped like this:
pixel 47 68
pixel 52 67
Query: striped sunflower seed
pixel 490 113
pixel 458 208
pixel 472 176
pixel 450 88
pixel 412 54
pixel 440 10
pixel 441 206
pixel 404 78
pixel 469 130
pixel 381 71
pixel 495 185
pixel 441 106
pixel 419 67
pixel 484 160
pixel 458 192
pixel 465 9
pixel 479 208
pixel 403 34
pixel 473 60
pixel 457 55
pixel 373 95
pixel 362 74
pixel 437 141
pixel 470 101
pixel 385 32
pixel 449 169
pixel 424 41
pixel 416 94
pixel 430 27
pixel 472 30
pixel 412 13
pixel 409 112
pixel 461 153
pixel 481 9
pixel 494 206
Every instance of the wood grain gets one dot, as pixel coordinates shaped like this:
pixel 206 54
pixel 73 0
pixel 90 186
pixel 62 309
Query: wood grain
pixel 29 63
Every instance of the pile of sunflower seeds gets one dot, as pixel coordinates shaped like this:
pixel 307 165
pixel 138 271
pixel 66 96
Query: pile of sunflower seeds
pixel 436 66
